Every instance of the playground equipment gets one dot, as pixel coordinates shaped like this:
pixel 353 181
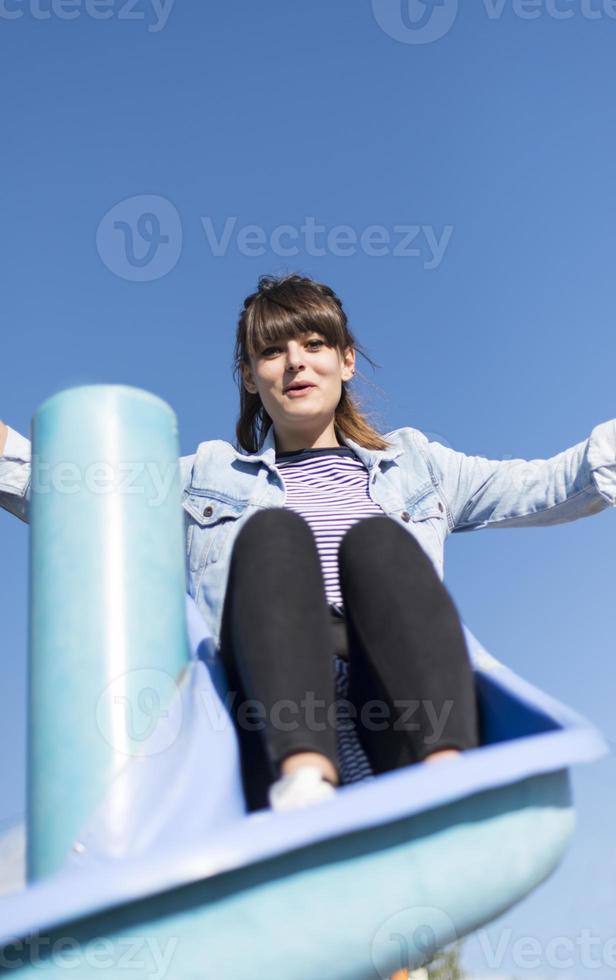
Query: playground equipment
pixel 139 843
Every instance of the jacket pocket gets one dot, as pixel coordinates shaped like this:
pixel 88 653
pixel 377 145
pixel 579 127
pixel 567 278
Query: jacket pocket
pixel 426 520
pixel 209 518
pixel 427 506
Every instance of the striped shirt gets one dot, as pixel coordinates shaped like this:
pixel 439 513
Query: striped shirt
pixel 353 763
pixel 329 489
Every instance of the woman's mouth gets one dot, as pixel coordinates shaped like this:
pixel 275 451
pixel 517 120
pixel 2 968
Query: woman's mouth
pixel 297 392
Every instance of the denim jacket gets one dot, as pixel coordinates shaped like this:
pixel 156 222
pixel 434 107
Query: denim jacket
pixel 429 489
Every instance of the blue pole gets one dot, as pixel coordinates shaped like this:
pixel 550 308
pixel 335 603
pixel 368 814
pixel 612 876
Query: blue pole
pixel 107 640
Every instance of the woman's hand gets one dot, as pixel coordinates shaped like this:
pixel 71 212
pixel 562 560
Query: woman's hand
pixel 3 435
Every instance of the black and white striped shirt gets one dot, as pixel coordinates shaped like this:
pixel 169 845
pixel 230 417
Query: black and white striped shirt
pixel 329 489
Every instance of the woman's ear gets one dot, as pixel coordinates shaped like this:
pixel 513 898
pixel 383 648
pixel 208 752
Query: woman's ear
pixel 248 382
pixel 348 369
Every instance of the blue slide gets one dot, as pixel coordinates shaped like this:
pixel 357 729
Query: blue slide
pixel 138 839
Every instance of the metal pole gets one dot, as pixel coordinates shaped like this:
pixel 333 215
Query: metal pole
pixel 107 640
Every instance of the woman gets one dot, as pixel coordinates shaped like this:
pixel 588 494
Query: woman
pixel 315 554
pixel 302 586
pixel 336 548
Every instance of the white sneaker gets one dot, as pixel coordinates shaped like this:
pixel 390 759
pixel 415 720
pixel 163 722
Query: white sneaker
pixel 300 788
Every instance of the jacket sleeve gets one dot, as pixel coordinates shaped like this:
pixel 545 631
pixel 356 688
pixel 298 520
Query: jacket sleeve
pixel 483 492
pixel 186 468
pixel 15 475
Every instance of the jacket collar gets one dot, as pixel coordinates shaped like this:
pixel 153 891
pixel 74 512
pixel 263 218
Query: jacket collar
pixel 369 457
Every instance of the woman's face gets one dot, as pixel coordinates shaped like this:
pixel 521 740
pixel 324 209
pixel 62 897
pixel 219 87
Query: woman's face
pixel 305 360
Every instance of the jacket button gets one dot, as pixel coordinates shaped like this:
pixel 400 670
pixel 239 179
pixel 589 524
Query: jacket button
pixel 440 507
pixel 208 511
pixel 406 516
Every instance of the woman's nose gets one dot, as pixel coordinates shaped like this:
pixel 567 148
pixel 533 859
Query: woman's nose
pixel 294 357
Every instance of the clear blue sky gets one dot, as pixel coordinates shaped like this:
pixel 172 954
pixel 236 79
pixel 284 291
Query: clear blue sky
pixel 497 139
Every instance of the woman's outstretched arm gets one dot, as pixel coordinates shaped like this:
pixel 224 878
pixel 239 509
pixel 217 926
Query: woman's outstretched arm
pixel 14 472
pixel 481 492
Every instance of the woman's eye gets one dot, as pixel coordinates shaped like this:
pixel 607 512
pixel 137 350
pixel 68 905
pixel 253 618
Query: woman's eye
pixel 272 350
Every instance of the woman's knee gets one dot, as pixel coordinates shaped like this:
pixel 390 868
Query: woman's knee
pixel 378 539
pixel 272 523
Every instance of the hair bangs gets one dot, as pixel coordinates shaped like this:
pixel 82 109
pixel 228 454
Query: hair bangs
pixel 272 320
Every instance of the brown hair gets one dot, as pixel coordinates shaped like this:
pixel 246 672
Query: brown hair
pixel 284 307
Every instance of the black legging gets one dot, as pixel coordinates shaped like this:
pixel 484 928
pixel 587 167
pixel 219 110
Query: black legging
pixel 405 645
